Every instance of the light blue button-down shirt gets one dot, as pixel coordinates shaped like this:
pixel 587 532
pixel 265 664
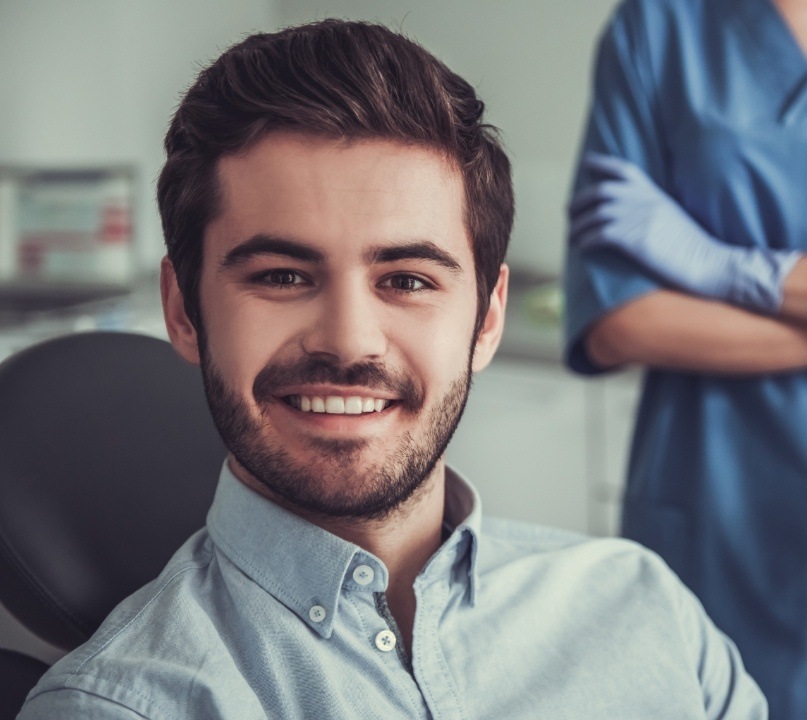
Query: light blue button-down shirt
pixel 263 615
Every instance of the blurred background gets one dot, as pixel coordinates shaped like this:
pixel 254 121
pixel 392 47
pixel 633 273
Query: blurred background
pixel 86 92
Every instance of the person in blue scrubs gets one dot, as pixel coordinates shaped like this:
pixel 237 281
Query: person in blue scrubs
pixel 688 224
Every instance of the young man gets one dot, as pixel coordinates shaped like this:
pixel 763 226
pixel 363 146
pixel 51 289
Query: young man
pixel 336 215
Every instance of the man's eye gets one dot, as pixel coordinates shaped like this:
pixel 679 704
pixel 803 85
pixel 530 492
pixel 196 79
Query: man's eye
pixel 281 278
pixel 406 283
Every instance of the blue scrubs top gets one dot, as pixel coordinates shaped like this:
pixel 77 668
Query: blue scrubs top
pixel 710 98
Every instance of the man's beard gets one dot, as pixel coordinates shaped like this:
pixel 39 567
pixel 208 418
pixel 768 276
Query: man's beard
pixel 341 482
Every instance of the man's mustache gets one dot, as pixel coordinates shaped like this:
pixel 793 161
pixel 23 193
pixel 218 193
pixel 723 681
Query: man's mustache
pixel 273 378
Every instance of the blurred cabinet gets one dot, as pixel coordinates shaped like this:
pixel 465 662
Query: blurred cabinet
pixel 543 445
pixel 612 403
pixel 522 443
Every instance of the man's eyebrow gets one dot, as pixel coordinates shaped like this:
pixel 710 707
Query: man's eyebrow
pixel 419 250
pixel 262 244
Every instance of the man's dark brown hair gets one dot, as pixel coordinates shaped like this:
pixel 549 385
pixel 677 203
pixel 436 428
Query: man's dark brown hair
pixel 336 79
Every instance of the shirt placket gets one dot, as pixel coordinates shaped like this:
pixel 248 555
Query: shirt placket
pixel 382 632
pixel 429 664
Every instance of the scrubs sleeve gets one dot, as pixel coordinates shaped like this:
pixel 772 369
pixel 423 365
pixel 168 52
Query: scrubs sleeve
pixel 623 122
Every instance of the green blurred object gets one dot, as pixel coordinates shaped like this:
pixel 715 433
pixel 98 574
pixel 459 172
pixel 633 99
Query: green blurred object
pixel 544 304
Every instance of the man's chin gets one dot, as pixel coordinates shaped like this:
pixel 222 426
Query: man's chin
pixel 350 487
pixel 332 476
pixel 339 450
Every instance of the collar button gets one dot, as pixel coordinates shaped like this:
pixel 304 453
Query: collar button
pixel 363 574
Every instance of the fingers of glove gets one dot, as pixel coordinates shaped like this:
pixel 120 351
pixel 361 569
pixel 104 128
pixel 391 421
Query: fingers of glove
pixel 585 198
pixel 595 194
pixel 617 168
pixel 594 238
pixel 581 223
pixel 601 230
pixel 607 165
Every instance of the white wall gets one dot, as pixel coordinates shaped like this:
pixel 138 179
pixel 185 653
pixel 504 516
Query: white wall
pixel 530 61
pixel 95 81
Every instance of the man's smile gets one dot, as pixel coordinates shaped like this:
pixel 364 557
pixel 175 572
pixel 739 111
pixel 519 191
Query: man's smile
pixel 337 404
pixel 333 407
pixel 347 413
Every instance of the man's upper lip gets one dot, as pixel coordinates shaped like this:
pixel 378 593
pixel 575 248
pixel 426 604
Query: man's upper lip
pixel 335 391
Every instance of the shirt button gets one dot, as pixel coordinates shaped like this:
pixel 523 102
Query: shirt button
pixel 385 640
pixel 317 613
pixel 363 574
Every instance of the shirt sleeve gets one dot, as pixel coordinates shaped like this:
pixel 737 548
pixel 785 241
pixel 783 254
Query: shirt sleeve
pixel 623 122
pixel 729 692
pixel 69 704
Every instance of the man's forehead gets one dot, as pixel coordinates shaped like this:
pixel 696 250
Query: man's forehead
pixel 300 155
pixel 306 189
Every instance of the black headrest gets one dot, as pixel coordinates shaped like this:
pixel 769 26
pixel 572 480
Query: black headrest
pixel 108 462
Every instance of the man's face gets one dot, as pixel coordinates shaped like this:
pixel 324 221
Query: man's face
pixel 338 300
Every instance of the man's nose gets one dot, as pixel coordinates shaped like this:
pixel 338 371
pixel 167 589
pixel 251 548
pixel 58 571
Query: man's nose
pixel 348 327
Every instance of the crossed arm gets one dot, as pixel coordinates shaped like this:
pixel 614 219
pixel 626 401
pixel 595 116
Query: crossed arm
pixel 729 310
pixel 676 331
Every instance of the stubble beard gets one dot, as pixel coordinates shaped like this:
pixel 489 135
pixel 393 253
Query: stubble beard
pixel 339 481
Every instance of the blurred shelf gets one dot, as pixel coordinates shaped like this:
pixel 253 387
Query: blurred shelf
pixel 20 300
pixel 31 313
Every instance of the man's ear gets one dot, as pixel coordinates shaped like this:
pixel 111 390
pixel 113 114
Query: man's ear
pixel 493 325
pixel 181 330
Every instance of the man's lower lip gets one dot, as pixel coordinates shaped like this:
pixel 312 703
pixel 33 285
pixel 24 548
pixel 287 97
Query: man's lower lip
pixel 334 425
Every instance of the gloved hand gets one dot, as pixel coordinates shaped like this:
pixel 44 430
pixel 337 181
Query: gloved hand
pixel 627 211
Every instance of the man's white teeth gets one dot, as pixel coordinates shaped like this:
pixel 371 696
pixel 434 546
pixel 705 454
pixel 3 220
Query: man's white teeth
pixel 334 405
pixel 337 405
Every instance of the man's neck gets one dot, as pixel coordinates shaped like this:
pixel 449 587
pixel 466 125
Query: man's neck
pixel 404 540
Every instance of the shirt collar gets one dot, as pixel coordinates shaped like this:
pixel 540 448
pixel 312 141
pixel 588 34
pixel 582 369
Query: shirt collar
pixel 464 514
pixel 306 568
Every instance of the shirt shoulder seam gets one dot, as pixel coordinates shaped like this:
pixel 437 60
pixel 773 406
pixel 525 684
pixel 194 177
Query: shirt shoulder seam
pixel 186 567
pixel 77 687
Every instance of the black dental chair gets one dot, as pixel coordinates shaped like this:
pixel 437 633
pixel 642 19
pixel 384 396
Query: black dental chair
pixel 108 463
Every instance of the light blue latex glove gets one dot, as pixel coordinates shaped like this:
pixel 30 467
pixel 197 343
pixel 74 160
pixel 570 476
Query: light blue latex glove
pixel 625 210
